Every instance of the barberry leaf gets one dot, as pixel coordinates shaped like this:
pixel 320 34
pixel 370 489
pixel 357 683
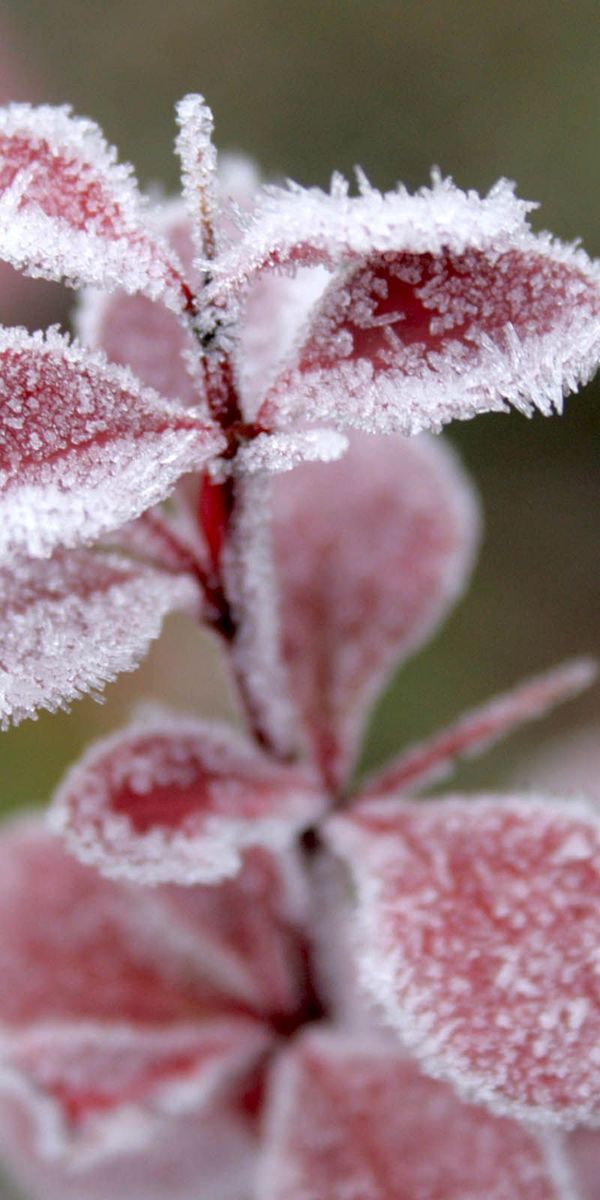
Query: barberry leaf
pixel 107 1024
pixel 83 446
pixel 383 542
pixel 249 931
pixel 179 800
pixel 423 765
pixel 478 931
pixel 298 227
pixel 353 1117
pixel 202 1156
pixel 71 623
pixel 414 337
pixel 69 210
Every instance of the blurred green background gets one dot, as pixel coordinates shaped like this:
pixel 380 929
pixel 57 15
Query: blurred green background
pixel 482 90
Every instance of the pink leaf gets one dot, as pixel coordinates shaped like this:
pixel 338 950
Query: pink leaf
pixel 76 948
pixel 71 623
pixel 382 542
pixel 414 337
pixel 83 446
pixel 422 766
pixel 479 932
pixel 179 800
pixel 207 1156
pixel 352 1117
pixel 297 227
pixel 97 1090
pixel 250 930
pixel 70 211
pixel 108 1020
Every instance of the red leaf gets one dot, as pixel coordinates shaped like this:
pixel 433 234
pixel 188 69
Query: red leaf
pixel 351 1117
pixel 69 210
pixel 73 622
pixel 179 800
pixel 583 1150
pixel 411 341
pixel 380 546
pixel 479 929
pixel 83 446
pixel 422 766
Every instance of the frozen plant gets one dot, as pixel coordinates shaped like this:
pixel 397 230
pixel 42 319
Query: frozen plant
pixel 258 982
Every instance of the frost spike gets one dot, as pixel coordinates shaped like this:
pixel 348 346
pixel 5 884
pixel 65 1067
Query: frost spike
pixel 84 446
pixel 477 930
pixel 428 763
pixel 199 171
pixel 179 801
pixel 73 622
pixel 70 211
pixel 351 1117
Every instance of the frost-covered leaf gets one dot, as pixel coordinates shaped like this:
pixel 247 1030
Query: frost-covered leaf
pixel 431 761
pixel 138 333
pixel 370 551
pixel 96 1090
pixel 108 1020
pixel 352 1119
pixel 68 210
pixel 83 446
pixel 198 171
pixel 71 623
pixel 411 341
pixel 78 948
pixel 179 800
pixel 190 1158
pixel 478 931
pixel 296 227
pixel 250 930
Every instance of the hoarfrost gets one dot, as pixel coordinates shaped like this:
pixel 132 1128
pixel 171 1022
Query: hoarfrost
pixel 69 210
pixel 71 623
pixel 478 934
pixel 84 446
pixel 409 341
pixel 351 1118
pixel 178 802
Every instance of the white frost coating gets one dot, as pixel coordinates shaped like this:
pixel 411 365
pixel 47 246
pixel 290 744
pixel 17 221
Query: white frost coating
pixel 412 386
pixel 82 250
pixel 199 171
pixel 256 650
pixel 244 799
pixel 272 453
pixel 85 1055
pixel 72 623
pixel 107 450
pixel 306 227
pixel 416 1017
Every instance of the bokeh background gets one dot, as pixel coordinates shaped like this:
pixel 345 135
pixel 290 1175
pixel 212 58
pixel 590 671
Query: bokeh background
pixel 483 89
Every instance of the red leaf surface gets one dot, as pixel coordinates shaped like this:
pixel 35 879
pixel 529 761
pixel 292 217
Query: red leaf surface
pixel 352 1117
pixel 370 553
pixel 479 932
pixel 207 1156
pixel 70 211
pixel 71 623
pixel 179 800
pixel 84 447
pixel 108 1017
pixel 251 930
pixel 583 1151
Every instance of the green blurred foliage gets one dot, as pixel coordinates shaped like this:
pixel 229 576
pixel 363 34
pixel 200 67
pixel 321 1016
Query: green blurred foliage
pixel 482 89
